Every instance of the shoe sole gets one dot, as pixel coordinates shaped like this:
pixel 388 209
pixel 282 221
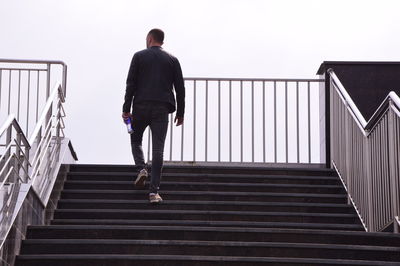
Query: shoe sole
pixel 140 181
pixel 155 202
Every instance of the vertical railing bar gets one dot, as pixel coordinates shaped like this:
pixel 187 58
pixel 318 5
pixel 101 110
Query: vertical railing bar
pixel 275 129
pixel 298 122
pixel 264 148
pixel 241 121
pixel 171 137
pixel 387 173
pixel 309 121
pixel 206 126
pixel 148 143
pixel 9 92
pixel 27 103
pixel 194 121
pixel 37 95
pixel 286 122
pixel 252 121
pixel 19 93
pixel 182 138
pixel 48 82
pixel 219 120
pixel 1 78
pixel 230 121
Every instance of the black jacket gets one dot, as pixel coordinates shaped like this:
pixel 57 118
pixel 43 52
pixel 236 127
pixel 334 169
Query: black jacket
pixel 152 75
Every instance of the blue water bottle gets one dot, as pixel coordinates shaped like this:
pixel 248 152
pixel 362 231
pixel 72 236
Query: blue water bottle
pixel 129 125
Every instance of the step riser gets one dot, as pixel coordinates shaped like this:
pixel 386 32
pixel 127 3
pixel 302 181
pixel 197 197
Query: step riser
pixel 203 179
pixel 210 250
pixel 206 187
pixel 207 170
pixel 249 197
pixel 193 262
pixel 208 207
pixel 212 235
pixel 203 217
pixel 222 224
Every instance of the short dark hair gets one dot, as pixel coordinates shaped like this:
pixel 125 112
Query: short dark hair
pixel 157 34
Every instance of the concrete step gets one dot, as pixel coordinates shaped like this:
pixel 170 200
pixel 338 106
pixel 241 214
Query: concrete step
pixel 155 214
pixel 201 233
pixel 197 186
pixel 205 196
pixel 206 205
pixel 241 224
pixel 211 248
pixel 180 260
pixel 204 169
pixel 220 178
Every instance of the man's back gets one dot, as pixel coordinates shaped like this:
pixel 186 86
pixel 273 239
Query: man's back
pixel 151 77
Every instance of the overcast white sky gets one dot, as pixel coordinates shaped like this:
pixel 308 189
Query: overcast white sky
pixel 230 38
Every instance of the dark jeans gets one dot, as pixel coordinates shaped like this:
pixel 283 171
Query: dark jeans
pixel 155 115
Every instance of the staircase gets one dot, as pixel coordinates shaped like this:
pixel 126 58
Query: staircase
pixel 210 216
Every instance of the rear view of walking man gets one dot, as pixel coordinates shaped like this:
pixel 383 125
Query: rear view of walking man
pixel 153 74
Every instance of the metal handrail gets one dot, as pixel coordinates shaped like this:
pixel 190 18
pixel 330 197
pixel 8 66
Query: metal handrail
pixel 366 125
pixel 12 121
pixel 30 78
pixel 46 109
pixel 255 79
pixel 44 144
pixel 45 62
pixel 367 160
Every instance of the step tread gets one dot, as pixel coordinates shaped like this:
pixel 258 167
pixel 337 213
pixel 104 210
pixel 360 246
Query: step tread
pixel 205 202
pixel 209 243
pixel 232 224
pixel 221 229
pixel 208 175
pixel 145 192
pixel 100 257
pixel 207 184
pixel 207 167
pixel 241 213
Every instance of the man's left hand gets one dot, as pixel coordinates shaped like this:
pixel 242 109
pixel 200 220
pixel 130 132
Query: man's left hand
pixel 178 120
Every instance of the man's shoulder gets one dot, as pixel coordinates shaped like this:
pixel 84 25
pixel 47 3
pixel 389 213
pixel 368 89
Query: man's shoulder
pixel 141 52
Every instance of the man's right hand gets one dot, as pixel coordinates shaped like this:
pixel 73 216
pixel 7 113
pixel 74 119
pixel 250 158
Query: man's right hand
pixel 126 116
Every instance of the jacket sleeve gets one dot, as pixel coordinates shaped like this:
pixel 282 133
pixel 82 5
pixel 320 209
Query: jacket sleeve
pixel 179 85
pixel 130 85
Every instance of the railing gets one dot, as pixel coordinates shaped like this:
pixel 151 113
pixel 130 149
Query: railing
pixel 14 170
pixel 25 87
pixel 247 120
pixel 32 162
pixel 367 156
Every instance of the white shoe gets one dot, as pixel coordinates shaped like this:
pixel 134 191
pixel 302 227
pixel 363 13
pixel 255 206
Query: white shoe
pixel 141 178
pixel 155 198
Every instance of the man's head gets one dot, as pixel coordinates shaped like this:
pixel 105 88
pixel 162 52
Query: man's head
pixel 155 37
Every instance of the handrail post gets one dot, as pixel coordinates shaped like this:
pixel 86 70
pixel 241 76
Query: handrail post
pixel 18 157
pixel 8 141
pixel 48 81
pixel 64 80
pixel 393 160
pixel 26 163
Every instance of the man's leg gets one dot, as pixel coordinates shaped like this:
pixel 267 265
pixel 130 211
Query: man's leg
pixel 136 144
pixel 159 127
pixel 139 125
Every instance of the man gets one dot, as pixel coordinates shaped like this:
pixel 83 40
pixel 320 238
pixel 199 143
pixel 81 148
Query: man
pixel 152 75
